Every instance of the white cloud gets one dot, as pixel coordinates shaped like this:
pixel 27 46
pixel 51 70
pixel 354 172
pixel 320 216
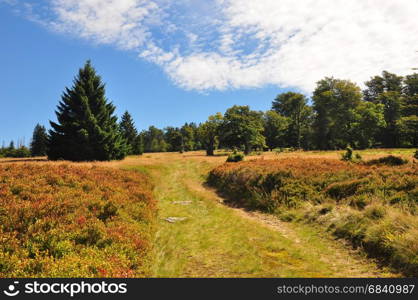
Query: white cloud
pixel 223 44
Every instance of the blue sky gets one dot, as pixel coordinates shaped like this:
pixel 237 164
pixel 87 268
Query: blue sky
pixel 37 64
pixel 170 62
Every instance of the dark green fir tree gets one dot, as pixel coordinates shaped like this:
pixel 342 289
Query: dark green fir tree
pixel 129 132
pixel 87 128
pixel 39 143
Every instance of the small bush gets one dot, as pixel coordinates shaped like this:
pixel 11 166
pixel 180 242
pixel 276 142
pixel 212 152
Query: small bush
pixel 375 212
pixel 350 156
pixel 287 216
pixel 389 160
pixel 109 210
pixel 340 190
pixel 416 154
pixel 235 157
pixel 326 209
pixel 360 202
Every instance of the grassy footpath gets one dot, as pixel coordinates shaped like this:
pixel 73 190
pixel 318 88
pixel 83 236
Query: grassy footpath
pixel 218 241
pixel 372 206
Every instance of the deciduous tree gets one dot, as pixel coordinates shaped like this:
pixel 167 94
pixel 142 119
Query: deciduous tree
pixel 243 128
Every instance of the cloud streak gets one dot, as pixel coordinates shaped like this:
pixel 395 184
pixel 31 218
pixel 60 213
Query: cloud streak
pixel 232 44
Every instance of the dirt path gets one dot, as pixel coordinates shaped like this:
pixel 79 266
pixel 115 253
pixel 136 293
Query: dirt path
pixel 211 239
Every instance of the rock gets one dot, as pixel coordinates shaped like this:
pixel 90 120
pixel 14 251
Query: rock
pixel 182 202
pixel 175 219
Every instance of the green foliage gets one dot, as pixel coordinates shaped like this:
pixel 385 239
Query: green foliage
pixel 368 123
pixel 378 85
pixel 389 160
pixel 86 129
pixel 392 102
pixel 235 157
pixel 350 156
pixel 11 151
pixel 208 133
pixel 375 212
pixel 242 128
pixel 275 128
pixel 399 96
pixel 344 189
pixel 130 134
pixel 154 140
pixel 174 139
pixel 39 143
pixel 373 207
pixel 188 132
pixel 294 107
pixel 335 103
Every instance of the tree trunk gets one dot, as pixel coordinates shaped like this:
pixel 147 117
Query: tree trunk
pixel 210 149
pixel 247 149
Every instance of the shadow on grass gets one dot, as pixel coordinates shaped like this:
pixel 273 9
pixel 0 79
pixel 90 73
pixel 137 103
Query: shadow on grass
pixel 4 161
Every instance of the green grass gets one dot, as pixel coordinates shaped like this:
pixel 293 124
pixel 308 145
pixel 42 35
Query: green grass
pixel 216 241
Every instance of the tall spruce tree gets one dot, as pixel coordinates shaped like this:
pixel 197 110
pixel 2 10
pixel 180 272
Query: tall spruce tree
pixel 87 128
pixel 129 132
pixel 39 143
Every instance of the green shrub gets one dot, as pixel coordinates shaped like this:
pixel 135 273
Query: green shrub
pixel 340 190
pixel 375 212
pixel 348 155
pixel 360 202
pixel 373 207
pixel 109 210
pixel 287 216
pixel 325 209
pixel 389 160
pixel 91 235
pixel 235 157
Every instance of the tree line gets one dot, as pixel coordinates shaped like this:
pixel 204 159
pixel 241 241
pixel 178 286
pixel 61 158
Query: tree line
pixel 339 114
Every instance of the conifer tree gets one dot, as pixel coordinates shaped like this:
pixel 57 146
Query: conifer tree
pixel 129 132
pixel 87 128
pixel 38 145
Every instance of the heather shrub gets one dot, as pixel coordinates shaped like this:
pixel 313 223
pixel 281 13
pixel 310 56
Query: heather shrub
pixel 59 220
pixel 235 157
pixel 344 189
pixel 389 160
pixel 348 155
pixel 375 212
pixel 374 206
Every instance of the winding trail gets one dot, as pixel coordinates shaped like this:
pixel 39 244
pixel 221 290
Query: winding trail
pixel 211 239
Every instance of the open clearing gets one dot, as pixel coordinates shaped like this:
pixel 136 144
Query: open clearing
pixel 207 238
pixel 215 240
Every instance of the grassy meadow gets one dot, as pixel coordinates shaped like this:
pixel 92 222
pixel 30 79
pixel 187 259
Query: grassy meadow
pixel 372 205
pixel 109 219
